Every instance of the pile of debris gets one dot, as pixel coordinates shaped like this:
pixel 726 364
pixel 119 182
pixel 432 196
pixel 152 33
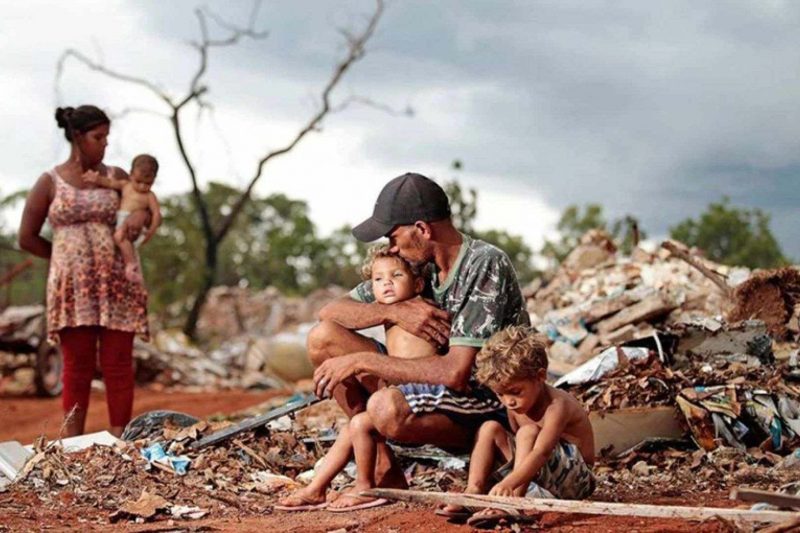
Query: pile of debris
pixel 251 340
pixel 598 298
pixel 164 470
pixel 260 338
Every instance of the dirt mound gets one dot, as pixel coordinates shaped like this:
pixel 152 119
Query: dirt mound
pixel 770 296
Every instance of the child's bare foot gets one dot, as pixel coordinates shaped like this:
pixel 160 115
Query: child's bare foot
pixel 133 274
pixel 350 500
pixel 305 499
pixel 459 512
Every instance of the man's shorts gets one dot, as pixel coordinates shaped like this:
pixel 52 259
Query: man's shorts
pixel 565 475
pixel 424 398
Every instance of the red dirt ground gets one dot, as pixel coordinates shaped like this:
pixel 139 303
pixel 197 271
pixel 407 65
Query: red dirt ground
pixel 23 418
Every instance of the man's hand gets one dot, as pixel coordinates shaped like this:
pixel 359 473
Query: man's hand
pixel 333 371
pixel 502 489
pixel 423 319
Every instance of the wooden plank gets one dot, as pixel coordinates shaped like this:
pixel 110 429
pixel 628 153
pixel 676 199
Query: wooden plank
pixel 621 429
pixel 679 251
pixel 651 307
pixel 583 506
pixel 254 422
pixel 778 499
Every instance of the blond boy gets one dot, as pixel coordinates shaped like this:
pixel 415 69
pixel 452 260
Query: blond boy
pixel 551 445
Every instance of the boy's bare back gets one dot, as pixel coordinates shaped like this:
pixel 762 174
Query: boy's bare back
pixel 555 406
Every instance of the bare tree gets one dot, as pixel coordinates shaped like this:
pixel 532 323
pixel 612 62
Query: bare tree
pixel 214 234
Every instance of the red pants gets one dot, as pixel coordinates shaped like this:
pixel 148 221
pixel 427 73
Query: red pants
pixel 80 348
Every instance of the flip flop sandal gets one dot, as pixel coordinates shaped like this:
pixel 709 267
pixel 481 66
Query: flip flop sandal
pixel 494 519
pixel 359 506
pixel 455 516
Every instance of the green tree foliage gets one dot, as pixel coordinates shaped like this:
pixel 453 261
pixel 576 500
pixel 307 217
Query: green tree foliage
pixel 273 242
pixel 732 236
pixel 28 286
pixel 575 221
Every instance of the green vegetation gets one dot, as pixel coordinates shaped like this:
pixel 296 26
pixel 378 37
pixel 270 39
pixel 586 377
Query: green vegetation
pixel 732 235
pixel 275 243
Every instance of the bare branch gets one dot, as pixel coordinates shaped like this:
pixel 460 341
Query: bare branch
pixel 356 50
pixel 408 111
pixel 125 111
pixel 70 52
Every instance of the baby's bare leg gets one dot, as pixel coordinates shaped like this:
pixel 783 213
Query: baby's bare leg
pixel 125 245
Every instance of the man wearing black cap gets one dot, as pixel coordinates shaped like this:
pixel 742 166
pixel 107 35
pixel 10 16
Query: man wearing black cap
pixel 476 291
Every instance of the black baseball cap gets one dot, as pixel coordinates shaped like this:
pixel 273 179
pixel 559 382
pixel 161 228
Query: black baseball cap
pixel 404 200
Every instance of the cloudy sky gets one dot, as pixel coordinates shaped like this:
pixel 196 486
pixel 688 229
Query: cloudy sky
pixel 649 108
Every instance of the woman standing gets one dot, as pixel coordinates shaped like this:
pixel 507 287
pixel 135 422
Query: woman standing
pixel 92 309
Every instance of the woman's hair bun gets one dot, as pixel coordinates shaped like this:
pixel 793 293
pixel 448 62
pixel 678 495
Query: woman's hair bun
pixel 62 116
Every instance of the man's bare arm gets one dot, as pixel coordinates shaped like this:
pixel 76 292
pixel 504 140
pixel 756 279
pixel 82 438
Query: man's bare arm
pixel 416 316
pixel 452 370
pixel 353 314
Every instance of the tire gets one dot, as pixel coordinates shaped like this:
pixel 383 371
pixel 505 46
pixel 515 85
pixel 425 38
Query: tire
pixel 48 371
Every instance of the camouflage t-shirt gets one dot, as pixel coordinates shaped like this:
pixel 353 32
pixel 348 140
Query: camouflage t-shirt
pixel 481 294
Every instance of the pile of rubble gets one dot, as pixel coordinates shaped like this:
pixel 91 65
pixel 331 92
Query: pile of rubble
pixel 598 298
pixel 161 473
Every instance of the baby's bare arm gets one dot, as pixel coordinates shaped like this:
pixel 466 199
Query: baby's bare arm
pixel 93 176
pixel 155 212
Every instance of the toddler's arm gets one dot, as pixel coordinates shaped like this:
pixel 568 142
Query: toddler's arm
pixel 92 176
pixel 155 213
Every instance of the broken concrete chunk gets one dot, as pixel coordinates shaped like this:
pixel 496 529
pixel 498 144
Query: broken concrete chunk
pixel 564 352
pixel 748 337
pixel 649 308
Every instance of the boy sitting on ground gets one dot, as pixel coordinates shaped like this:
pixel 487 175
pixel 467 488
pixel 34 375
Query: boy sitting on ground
pixel 393 280
pixel 135 195
pixel 552 445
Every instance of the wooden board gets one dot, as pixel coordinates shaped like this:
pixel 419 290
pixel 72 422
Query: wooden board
pixel 583 506
pixel 621 429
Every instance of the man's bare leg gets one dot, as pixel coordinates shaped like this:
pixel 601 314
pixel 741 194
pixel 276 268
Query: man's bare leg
pixel 394 419
pixel 329 339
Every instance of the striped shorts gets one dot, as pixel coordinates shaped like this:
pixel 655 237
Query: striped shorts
pixel 425 398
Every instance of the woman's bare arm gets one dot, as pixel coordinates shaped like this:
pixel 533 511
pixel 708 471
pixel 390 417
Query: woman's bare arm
pixel 33 216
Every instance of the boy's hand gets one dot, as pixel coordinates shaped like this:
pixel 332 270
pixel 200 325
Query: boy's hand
pixel 502 489
pixel 423 319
